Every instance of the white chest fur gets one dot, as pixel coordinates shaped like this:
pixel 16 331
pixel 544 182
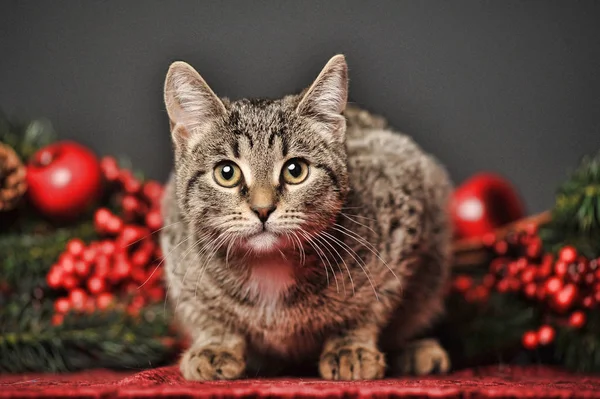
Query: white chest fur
pixel 268 281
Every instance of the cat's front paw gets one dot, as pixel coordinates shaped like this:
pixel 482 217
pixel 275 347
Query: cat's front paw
pixel 212 363
pixel 423 357
pixel 352 362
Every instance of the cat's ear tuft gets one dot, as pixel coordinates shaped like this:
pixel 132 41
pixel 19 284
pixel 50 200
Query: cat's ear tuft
pixel 190 102
pixel 325 100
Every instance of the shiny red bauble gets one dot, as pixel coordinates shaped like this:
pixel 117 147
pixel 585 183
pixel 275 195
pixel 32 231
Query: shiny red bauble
pixel 483 203
pixel 63 180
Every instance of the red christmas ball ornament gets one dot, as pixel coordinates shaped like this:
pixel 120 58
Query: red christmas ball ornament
pixel 577 319
pixel 568 254
pixel 545 335
pixel 530 340
pixel 63 180
pixel 483 203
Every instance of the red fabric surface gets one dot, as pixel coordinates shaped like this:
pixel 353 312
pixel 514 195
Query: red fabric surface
pixel 532 382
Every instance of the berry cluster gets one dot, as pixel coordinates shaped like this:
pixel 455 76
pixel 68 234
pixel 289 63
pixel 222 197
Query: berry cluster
pixel 564 285
pixel 123 267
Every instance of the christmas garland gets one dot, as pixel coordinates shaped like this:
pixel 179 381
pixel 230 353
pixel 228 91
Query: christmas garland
pixel 84 292
pixel 541 289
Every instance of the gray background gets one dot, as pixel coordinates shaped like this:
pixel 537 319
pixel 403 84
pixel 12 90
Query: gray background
pixel 505 86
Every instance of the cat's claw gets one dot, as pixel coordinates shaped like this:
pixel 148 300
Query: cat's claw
pixel 352 362
pixel 211 363
pixel 424 357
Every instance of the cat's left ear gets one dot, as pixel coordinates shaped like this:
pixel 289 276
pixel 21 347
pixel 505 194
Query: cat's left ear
pixel 190 102
pixel 325 100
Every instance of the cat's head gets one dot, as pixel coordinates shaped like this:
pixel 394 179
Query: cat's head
pixel 259 174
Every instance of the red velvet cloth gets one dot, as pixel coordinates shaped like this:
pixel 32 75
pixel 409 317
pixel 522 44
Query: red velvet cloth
pixel 493 382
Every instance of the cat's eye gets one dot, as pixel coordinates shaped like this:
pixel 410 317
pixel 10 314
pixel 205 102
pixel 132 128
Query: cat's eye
pixel 227 174
pixel 295 171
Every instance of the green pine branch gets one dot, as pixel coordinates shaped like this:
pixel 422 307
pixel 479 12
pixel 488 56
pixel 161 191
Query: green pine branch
pixel 109 339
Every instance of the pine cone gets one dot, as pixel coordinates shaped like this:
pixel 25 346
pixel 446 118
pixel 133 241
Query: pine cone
pixel 12 178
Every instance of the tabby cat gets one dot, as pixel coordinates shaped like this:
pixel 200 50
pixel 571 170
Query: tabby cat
pixel 301 233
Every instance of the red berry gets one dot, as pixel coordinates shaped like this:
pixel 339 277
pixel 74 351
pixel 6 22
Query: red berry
pixel 96 285
pixel 130 204
pixel 553 285
pixel 121 270
pixel 534 249
pixel 153 191
pixel 62 305
pixel 69 282
pixel 82 268
pixel 138 301
pixel 67 263
pixel 156 294
pixel 131 234
pixel 568 254
pixel 78 298
pixel 110 168
pixel 488 239
pixel 577 319
pixel 563 300
pixel 501 247
pixel 75 247
pixel 488 280
pixel 102 268
pixel 514 284
pixel 104 300
pixel 57 319
pixel 107 247
pixel 530 340
pixel 89 254
pixel 588 302
pixel 530 290
pixel 90 305
pixel 114 225
pixel 138 275
pixel 528 275
pixel 54 277
pixel 545 335
pixel 131 185
pixel 101 218
pixel 154 220
pixel 560 268
pixel 531 229
pixel 589 279
pixel 503 286
pixel 596 296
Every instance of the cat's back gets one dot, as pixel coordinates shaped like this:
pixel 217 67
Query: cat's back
pixel 377 153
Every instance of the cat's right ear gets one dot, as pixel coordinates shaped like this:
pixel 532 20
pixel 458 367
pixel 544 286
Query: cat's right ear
pixel 190 102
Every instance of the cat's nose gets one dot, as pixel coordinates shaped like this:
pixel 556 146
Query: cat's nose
pixel 263 212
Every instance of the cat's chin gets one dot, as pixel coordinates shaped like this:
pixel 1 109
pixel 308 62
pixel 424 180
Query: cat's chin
pixel 264 242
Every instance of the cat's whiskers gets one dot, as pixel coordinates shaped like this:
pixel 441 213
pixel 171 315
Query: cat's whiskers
pixel 318 240
pixel 325 240
pixel 310 239
pixel 358 216
pixel 349 233
pixel 358 223
pixel 153 232
pixel 355 256
pixel 218 245
pixel 307 238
